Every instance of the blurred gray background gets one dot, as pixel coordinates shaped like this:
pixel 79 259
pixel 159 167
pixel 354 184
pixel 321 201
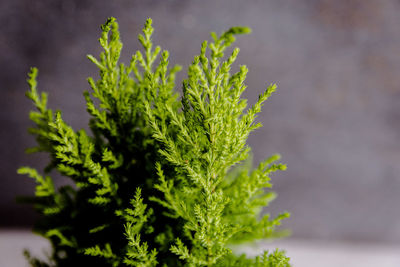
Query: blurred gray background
pixel 335 118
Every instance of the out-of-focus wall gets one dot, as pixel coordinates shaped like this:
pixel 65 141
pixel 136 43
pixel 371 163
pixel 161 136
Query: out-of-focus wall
pixel 335 118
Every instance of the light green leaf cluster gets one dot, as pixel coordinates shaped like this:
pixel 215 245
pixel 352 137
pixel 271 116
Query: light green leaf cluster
pixel 213 131
pixel 158 181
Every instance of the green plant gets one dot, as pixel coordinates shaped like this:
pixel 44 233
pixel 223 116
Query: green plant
pixel 155 182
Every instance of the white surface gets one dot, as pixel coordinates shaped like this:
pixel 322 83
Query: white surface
pixel 310 253
pixel 303 253
pixel 13 243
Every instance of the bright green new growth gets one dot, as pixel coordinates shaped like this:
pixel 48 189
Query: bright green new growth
pixel 154 183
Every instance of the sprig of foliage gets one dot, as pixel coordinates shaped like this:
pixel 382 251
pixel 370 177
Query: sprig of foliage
pixel 185 161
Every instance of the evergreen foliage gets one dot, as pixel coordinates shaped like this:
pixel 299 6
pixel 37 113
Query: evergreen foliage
pixel 158 181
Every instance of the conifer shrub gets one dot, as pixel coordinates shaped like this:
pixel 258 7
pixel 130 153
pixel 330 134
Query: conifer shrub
pixel 158 181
